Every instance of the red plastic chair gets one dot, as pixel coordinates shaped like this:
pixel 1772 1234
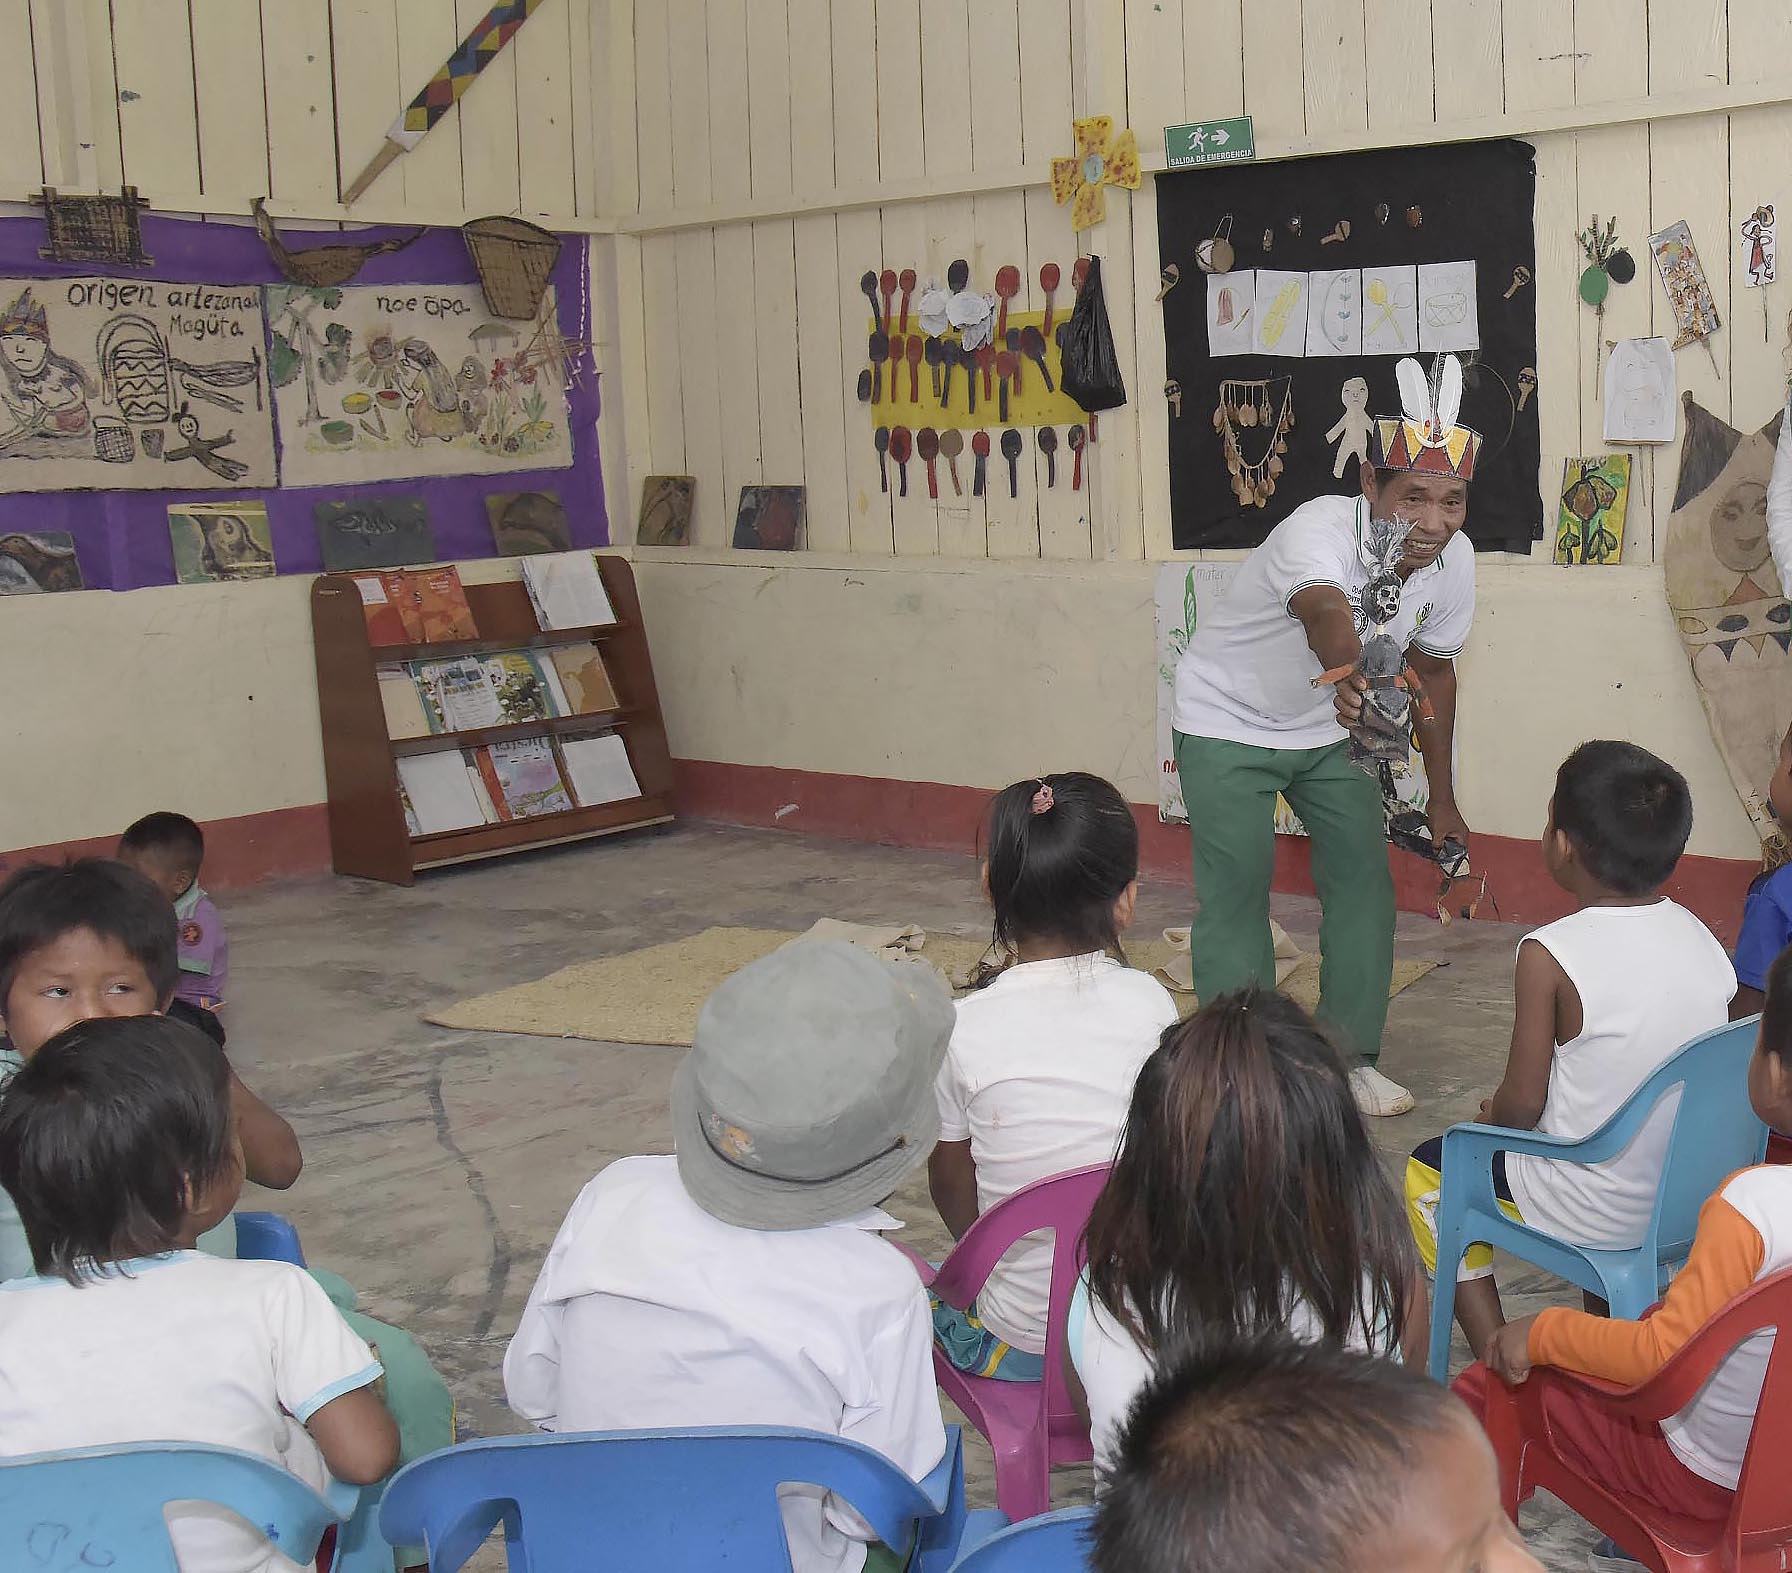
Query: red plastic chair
pixel 1757 1537
pixel 1030 1425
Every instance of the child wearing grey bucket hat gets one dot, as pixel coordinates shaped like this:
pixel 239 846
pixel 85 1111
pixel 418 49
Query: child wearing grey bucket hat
pixel 743 1282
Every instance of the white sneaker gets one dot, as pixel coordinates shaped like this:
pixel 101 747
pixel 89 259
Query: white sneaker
pixel 1376 1095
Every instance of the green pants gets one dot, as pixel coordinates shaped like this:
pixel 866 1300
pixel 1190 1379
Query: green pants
pixel 1230 790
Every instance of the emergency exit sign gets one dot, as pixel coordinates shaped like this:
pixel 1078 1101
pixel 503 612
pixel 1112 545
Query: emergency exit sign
pixel 1210 142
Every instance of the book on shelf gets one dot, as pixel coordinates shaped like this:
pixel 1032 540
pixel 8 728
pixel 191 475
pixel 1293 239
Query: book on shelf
pixel 385 623
pixel 523 777
pixel 440 797
pixel 458 694
pixel 584 679
pixel 407 715
pixel 433 604
pixel 598 769
pixel 567 591
pixel 520 681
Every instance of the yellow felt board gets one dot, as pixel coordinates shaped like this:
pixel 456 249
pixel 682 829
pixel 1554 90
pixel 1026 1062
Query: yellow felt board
pixel 1032 406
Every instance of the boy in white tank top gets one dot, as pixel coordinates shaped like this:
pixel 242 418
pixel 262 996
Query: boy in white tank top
pixel 1601 998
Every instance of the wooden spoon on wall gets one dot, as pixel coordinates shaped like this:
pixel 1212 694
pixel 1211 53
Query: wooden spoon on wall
pixel 1007 287
pixel 951 445
pixel 886 284
pixel 927 444
pixel 896 349
pixel 1032 345
pixel 958 274
pixel 980 447
pixel 1048 445
pixel 1011 341
pixel 1012 444
pixel 1005 368
pixel 880 439
pixel 1049 278
pixel 916 348
pixel 902 444
pixel 868 283
pixel 907 280
pixel 880 352
pixel 1077 438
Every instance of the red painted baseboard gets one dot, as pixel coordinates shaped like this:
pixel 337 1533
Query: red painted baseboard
pixel 947 818
pixel 295 841
pixel 280 844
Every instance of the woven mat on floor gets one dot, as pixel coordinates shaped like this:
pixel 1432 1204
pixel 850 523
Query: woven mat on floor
pixel 653 995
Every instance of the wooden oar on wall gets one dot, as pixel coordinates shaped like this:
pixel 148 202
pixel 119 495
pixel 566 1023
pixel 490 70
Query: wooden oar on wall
pixel 471 55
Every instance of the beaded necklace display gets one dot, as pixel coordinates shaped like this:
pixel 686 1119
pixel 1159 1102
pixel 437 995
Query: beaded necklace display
pixel 1247 404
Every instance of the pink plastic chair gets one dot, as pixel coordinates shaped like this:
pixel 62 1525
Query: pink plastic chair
pixel 1030 1425
pixel 1757 1536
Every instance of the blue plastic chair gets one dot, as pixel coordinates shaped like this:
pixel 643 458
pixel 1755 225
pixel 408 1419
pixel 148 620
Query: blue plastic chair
pixel 1715 1133
pixel 102 1506
pixel 1052 1543
pixel 271 1237
pixel 667 1501
pixel 267 1237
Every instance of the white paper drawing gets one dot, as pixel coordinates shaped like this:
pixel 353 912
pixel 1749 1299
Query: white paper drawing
pixel 1640 392
pixel 1281 313
pixel 1448 316
pixel 1231 320
pixel 1390 311
pixel 1335 313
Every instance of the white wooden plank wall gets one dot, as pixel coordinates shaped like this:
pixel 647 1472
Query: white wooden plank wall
pixel 731 352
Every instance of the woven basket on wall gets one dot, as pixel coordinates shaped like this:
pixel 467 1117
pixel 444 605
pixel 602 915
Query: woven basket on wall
pixel 514 259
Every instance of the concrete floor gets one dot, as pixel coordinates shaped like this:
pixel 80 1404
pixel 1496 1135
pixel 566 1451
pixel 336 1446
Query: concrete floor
pixel 439 1164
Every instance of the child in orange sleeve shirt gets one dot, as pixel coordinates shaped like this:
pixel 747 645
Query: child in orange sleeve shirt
pixel 1691 1461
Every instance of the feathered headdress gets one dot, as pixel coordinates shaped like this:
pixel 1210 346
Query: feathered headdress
pixel 1426 437
pixel 25 316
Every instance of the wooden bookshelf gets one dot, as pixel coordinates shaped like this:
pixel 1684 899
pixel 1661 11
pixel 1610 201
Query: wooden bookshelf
pixel 368 837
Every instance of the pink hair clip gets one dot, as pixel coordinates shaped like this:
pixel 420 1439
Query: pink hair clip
pixel 1043 800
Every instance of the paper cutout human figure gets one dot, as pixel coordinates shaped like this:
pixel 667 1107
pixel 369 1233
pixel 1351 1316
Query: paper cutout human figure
pixel 1353 428
pixel 1759 247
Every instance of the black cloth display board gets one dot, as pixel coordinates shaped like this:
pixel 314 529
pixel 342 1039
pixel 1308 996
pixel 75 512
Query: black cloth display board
pixel 1475 203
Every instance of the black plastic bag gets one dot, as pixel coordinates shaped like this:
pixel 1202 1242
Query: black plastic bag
pixel 1091 373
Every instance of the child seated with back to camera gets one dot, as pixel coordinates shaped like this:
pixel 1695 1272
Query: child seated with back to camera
pixel 169 849
pixel 1045 1053
pixel 1246 1200
pixel 93 939
pixel 1601 999
pixel 742 1281
pixel 1691 1462
pixel 118 1142
pixel 1274 1455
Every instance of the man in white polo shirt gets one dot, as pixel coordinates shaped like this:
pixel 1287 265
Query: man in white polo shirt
pixel 1250 722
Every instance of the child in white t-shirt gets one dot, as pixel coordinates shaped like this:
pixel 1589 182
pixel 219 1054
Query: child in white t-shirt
pixel 1044 1055
pixel 118 1144
pixel 1601 999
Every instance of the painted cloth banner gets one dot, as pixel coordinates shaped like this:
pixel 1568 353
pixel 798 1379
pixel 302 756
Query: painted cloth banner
pixel 375 383
pixel 144 383
pixel 127 392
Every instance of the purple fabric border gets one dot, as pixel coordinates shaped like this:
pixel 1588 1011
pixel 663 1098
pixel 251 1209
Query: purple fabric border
pixel 121 537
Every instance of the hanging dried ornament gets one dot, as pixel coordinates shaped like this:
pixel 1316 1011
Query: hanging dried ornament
pixel 1244 406
pixel 1215 254
pixel 1101 159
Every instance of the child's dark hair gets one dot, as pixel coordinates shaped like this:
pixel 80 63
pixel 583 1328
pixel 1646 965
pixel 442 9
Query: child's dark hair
pixel 1061 850
pixel 1246 1186
pixel 1264 1456
pixel 1776 1007
pixel 42 902
pixel 101 1134
pixel 1627 813
pixel 165 834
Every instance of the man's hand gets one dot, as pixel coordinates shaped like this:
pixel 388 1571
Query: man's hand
pixel 1446 822
pixel 1509 1351
pixel 1347 695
